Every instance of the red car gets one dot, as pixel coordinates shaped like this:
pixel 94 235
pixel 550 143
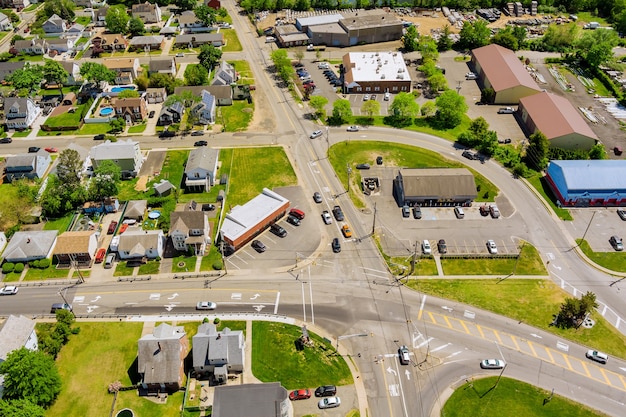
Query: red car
pixel 52 150
pixel 112 227
pixel 123 228
pixel 100 255
pixel 300 394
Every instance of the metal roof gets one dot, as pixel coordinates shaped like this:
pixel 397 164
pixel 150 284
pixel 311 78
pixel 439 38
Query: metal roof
pixel 503 68
pixel 589 175
pixel 375 66
pixel 442 183
pixel 318 20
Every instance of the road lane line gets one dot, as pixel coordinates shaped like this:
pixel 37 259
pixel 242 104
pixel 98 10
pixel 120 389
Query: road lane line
pixel 606 378
pixel 277 300
pixel 421 310
pixel 532 348
pixel 382 369
pixel 514 339
pixel 480 330
pixel 549 352
pixel 587 370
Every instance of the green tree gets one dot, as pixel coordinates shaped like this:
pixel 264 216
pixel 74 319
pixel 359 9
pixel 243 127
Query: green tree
pixel 30 375
pixel 619 22
pixel 596 46
pixel 96 73
pixel 520 34
pixel 54 73
pixel 187 98
pixel 116 19
pixel 560 37
pixel 597 151
pixel 342 112
pixel 474 35
pixel 29 77
pixel 299 54
pixel 166 81
pixel 136 26
pixel 128 94
pixel 450 109
pixel 537 151
pixel 428 48
pixel 403 109
pixel 487 95
pixel 437 82
pixel 371 108
pixel 117 125
pixel 69 167
pixel 20 408
pixel 319 105
pixel 185 4
pixel 506 39
pixel 410 39
pixel 428 109
pixel 196 75
pixel 206 14
pixel 104 182
pixel 444 43
pixel 209 56
pixel 62 8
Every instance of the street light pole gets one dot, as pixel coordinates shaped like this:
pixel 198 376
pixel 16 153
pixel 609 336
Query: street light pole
pixel 349 170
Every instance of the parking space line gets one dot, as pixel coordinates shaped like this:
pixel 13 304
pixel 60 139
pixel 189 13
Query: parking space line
pixel 532 348
pixel 480 330
pixel 514 339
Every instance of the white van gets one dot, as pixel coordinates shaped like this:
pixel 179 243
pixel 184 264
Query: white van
pixel 270 39
pixel 426 249
pixel 108 264
pixel 458 212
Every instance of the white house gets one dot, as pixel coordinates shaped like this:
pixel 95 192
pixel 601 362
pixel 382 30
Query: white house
pixel 136 244
pixel 190 229
pixel 20 113
pixel 5 23
pixel 124 153
pixel 205 110
pixel 201 169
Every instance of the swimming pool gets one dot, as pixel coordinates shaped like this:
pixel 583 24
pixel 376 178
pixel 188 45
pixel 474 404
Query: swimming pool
pixel 106 111
pixel 122 88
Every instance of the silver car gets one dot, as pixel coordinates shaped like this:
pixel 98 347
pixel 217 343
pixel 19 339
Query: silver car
pixel 330 402
pixel 316 134
pixel 206 305
pixel 492 364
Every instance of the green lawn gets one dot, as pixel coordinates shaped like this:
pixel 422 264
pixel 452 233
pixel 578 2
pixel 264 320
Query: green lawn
pixel 137 129
pixel 206 264
pixel 232 41
pixel 149 268
pixel 122 270
pixel 275 358
pixel 187 264
pixel 528 300
pixel 94 129
pixel 509 397
pixel 245 73
pixel 61 224
pixel 529 263
pixel 237 117
pixel 587 17
pixel 245 179
pixel 67 119
pixel 541 185
pixel 36 274
pixel 615 261
pixel 21 134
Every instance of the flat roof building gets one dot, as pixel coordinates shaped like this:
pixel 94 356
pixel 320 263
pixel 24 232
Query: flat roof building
pixel 434 187
pixel 376 72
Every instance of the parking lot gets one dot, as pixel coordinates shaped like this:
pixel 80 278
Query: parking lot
pixel 596 225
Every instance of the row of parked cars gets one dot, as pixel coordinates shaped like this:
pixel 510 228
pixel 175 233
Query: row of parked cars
pixel 294 217
pixel 327 391
pixel 327 219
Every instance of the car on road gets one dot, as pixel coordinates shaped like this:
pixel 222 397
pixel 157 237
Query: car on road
pixel 403 355
pixel 492 364
pixel 326 217
pixel 293 220
pixel 258 246
pixel 60 306
pixel 366 97
pixel 417 212
pixel 379 160
pixel 180 55
pixel 491 247
pixel 506 110
pixel 100 255
pixel 458 212
pixel 345 229
pixel 9 290
pixel 52 150
pixel 200 143
pixel 387 96
pixel 330 402
pixel 101 136
pixel 151 114
pixel 299 394
pixel 363 166
pixel 441 246
pixel 167 134
pixel 112 227
pixel 426 249
pixel 621 213
pixel 505 141
pixel 208 207
pixel 33 149
pixel 338 213
pixel 493 210
pixel 617 243
pixel 317 197
pixel 353 128
pixel 468 154
pixel 471 76
pixel 197 133
pixel 316 134
pixel 6 140
pixel 326 391
pixel 336 248
pixel 206 305
pixel 405 211
pixel 594 355
pixel 278 230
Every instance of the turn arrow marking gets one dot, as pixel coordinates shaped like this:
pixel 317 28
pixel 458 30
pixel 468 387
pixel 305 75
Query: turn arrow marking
pixel 255 296
pixel 391 371
pixel 408 374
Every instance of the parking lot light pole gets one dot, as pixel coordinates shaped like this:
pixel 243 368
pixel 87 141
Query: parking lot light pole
pixel 349 170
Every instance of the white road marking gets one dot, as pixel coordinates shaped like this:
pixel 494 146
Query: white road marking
pixel 235 296
pixel 454 354
pixel 423 343
pixel 393 390
pixel 173 296
pixel 562 346
pixel 392 371
pixel 155 296
pixel 440 347
pixel 79 299
pixel 276 303
pixel 469 314
pixel 95 299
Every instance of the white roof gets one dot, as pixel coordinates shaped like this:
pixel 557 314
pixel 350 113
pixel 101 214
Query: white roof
pixel 242 218
pixel 319 20
pixel 123 149
pixel 374 66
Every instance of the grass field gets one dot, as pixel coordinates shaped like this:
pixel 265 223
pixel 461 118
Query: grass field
pixel 232 41
pixel 149 268
pixel 245 73
pixel 540 184
pixel 60 224
pixel 275 358
pixel 481 397
pixel 36 274
pixel 529 263
pixel 188 264
pixel 615 261
pixel 67 119
pixel 137 129
pixel 237 117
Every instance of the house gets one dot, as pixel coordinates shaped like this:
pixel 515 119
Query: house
pixel 500 69
pixel 60 45
pixel 223 94
pixel 100 16
pixel 148 13
pixel 15 333
pixel 225 74
pixel 124 153
pixel 162 66
pixel 189 20
pixel 160 359
pixel 3 241
pixel 197 39
pixel 73 70
pixel 205 109
pixel 201 169
pixel 213 4
pixel 76 248
pixel 54 24
pixel 20 113
pixel 135 210
pixel 189 229
pixel 258 400
pixel 168 31
pixel 137 244
pixel 163 188
pixel 108 205
pixel 27 165
pixel 434 186
pixel 127 69
pixel 155 95
pixel 94 4
pixel 132 109
pixel 218 353
pixel 557 119
pixel 8 68
pixel 30 246
pixel 146 43
pixel 171 114
pixel 245 222
pixel 110 42
pixel 75 30
pixel 31 46
pixel 5 23
pixel 18 5
pixel 376 72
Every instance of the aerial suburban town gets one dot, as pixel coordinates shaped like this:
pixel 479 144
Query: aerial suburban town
pixel 244 208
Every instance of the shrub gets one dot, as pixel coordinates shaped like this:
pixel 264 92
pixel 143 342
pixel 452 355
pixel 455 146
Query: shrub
pixel 8 267
pixel 217 265
pixel 216 321
pixel 44 263
pixel 205 320
pixel 34 264
pixel 19 267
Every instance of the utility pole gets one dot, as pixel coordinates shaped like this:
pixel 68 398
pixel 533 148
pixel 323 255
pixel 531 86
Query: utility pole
pixel 222 252
pixel 374 222
pixel 349 170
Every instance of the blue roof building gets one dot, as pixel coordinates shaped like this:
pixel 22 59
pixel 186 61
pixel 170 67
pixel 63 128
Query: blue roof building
pixel 588 182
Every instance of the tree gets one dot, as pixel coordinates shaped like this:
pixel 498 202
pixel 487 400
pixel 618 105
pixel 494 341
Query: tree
pixel 573 310
pixel 428 48
pixel 104 182
pixel 166 81
pixel 597 151
pixel 55 73
pixel 537 151
pixel 506 39
pixel 474 35
pixel 62 8
pixel 371 108
pixel 299 54
pixel 428 109
pixel 409 40
pixel 596 46
pixel 29 77
pixel 20 408
pixel 69 168
pixel 128 94
pixel 342 111
pixel 520 34
pixel 116 19
pixel 96 73
pixel 30 375
pixel 487 95
pixel 437 82
pixel 209 56
pixel 136 26
pixel 185 4
pixel 444 43
pixel 403 109
pixel 186 97
pixel 196 75
pixel 560 37
pixel 319 103
pixel 619 22
pixel 450 109
pixel 117 125
pixel 206 14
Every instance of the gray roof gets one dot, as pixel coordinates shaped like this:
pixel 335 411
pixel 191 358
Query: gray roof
pixel 211 345
pixel 159 356
pixel 14 334
pixel 135 208
pixel 7 68
pixel 29 245
pixel 122 149
pixel 21 160
pixel 219 91
pixel 168 30
pixel 186 220
pixel 438 182
pixel 258 400
pixel 204 158
pixel 146 40
pixel 225 74
pixel 200 38
pixel 161 65
pixel 18 103
pixel 163 186
pixel 136 241
pixel 319 20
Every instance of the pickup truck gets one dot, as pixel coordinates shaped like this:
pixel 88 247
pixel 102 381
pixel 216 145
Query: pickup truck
pixel 506 110
pixel 312 47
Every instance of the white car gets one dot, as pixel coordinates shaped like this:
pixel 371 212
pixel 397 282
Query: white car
pixel 323 65
pixel 353 128
pixel 426 247
pixel 206 305
pixel 387 96
pixel 471 76
pixel 366 97
pixel 326 217
pixel 491 247
pixel 492 364
pixel 330 402
pixel 9 290
pixel 316 134
pixel 594 355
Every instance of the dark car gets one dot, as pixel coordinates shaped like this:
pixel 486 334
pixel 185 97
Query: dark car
pixel 317 197
pixel 33 149
pixel 621 213
pixel 278 230
pixel 200 143
pixel 197 133
pixel 363 166
pixel 326 391
pixel 468 155
pixel 336 248
pixel 112 227
pixel 6 140
pixel 293 220
pixel 417 212
pixel 338 213
pixel 441 246
pixel 379 160
pixel 151 114
pixel 208 207
pixel 227 250
pixel 99 137
pixel 258 246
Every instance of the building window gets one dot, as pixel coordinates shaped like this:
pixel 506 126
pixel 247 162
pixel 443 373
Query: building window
pixel 368 88
pixel 394 88
pixel 359 89
pixel 377 88
pixel 403 88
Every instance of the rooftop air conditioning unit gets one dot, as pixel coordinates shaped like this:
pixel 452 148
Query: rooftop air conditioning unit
pixel 382 77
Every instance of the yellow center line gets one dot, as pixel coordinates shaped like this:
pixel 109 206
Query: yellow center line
pixel 606 378
pixel 514 339
pixel 173 290
pixel 532 347
pixel 382 369
pixel 480 330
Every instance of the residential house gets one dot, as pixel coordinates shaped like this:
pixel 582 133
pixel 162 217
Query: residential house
pixel 83 153
pixel 225 74
pixel 8 68
pixel 94 4
pixel 57 46
pixel 190 230
pixel 197 39
pixel 244 400
pixel 54 24
pixel 155 95
pixel 73 69
pixel 100 16
pixel 15 333
pixel 132 109
pixel 218 353
pixel 161 359
pixel 20 112
pixel 124 153
pixel 223 93
pixel 189 22
pixel 168 31
pixel 201 169
pixel 138 244
pixel 5 23
pixel 205 109
pixel 148 13
pixel 18 5
pixel 163 188
pixel 214 4
pixel 162 66
pixel 76 248
pixel 30 246
pixel 127 69
pixel 146 43
pixel 135 210
pixel 30 46
pixel 171 114
pixel 75 30
pixel 27 165
pixel 110 42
